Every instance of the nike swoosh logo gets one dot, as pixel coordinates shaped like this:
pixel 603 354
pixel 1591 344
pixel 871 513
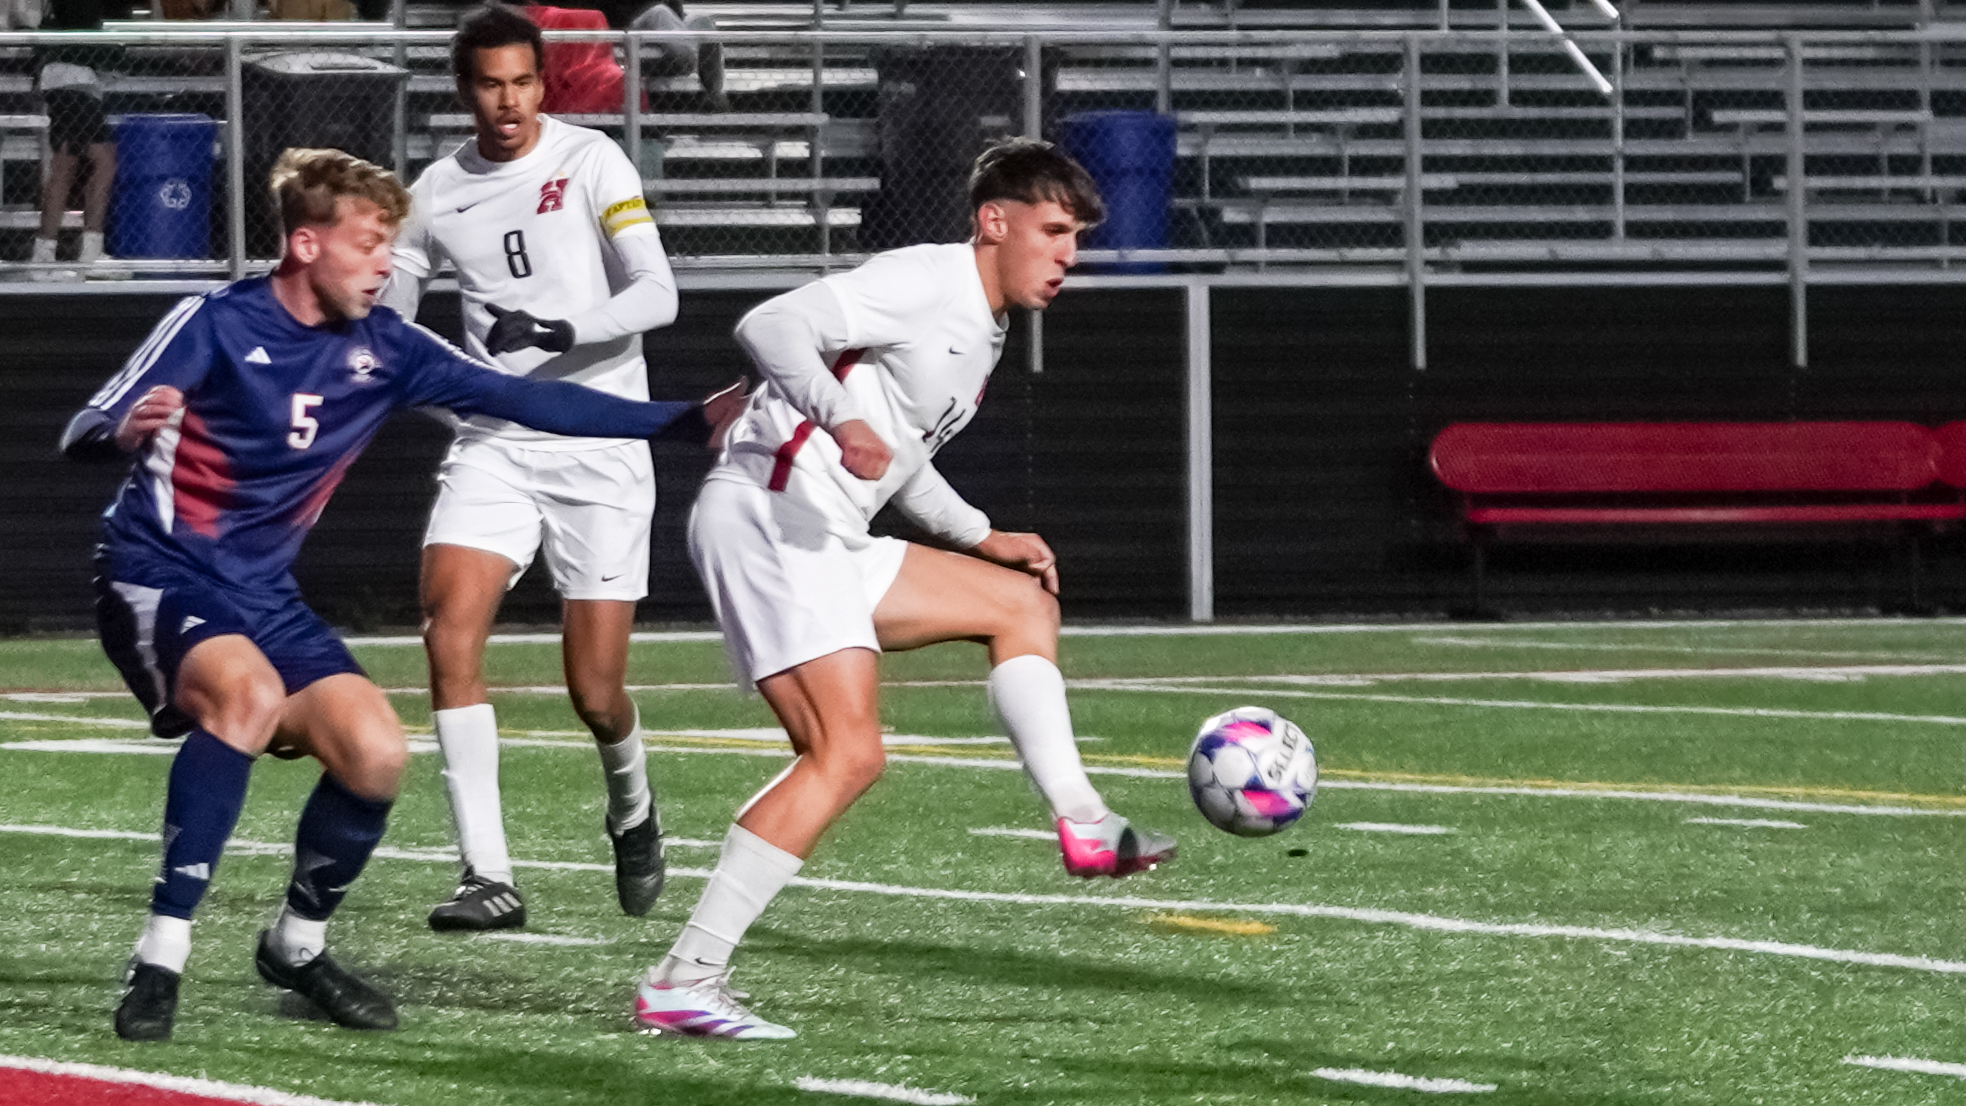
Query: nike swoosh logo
pixel 616 576
pixel 469 206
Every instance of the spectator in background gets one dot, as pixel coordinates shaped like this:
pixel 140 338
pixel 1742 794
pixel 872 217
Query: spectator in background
pixel 318 11
pixel 681 57
pixel 69 78
pixel 20 15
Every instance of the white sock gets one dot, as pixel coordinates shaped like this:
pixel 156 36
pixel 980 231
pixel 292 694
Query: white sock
pixel 44 249
pixel 295 939
pixel 166 942
pixel 468 737
pixel 749 874
pixel 1029 695
pixel 91 246
pixel 625 765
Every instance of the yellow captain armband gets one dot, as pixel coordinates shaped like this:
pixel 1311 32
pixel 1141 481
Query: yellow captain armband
pixel 625 214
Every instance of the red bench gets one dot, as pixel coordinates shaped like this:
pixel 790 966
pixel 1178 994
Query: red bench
pixel 1536 477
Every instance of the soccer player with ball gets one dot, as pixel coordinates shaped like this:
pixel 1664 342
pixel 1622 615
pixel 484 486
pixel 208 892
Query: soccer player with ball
pixel 867 374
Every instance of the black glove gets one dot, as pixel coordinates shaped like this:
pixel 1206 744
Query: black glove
pixel 512 330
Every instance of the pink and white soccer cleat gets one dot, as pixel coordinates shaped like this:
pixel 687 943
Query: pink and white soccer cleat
pixel 1111 847
pixel 705 1008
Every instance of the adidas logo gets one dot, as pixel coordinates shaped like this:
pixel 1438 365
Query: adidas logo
pixel 190 620
pixel 258 357
pixel 199 871
pixel 501 904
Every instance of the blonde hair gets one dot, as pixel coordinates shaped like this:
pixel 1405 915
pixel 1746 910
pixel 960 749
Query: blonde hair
pixel 307 184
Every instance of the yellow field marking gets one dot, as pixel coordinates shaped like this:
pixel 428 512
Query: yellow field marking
pixel 1227 926
pixel 1134 759
pixel 1777 790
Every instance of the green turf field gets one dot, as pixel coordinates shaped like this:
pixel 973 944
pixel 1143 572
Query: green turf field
pixel 1582 863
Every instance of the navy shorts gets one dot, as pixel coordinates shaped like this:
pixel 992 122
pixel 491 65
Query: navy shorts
pixel 150 615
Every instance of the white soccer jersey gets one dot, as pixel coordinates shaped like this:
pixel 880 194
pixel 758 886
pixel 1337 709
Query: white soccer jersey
pixel 920 346
pixel 528 235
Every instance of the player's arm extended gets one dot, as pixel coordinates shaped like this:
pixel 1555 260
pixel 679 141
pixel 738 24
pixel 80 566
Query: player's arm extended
pixel 446 377
pixel 573 410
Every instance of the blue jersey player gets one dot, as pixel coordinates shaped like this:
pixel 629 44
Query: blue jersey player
pixel 243 410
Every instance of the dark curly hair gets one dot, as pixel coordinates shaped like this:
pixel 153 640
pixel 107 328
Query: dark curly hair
pixel 487 27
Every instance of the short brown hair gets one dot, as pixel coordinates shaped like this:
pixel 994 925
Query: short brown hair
pixel 1030 171
pixel 307 184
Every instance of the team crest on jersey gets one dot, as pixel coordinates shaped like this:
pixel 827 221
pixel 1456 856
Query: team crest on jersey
pixel 552 195
pixel 362 362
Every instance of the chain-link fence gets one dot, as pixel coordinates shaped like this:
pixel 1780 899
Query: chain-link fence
pixel 139 154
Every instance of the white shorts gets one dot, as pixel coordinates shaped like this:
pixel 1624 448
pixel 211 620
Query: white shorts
pixel 590 508
pixel 786 590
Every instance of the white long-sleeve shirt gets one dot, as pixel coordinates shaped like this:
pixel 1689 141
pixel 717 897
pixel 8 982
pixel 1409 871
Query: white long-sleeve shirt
pixel 561 233
pixel 905 343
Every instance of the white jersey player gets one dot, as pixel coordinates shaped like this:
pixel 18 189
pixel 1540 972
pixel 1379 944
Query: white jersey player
pixel 867 375
pixel 560 270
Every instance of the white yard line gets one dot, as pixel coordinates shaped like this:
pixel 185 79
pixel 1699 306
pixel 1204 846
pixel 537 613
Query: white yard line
pixel 1694 650
pixel 1844 673
pixel 139 746
pixel 1430 922
pixel 426 746
pixel 1008 831
pixel 1408 919
pixel 1525 704
pixel 1752 823
pixel 80 720
pixel 1907 1063
pixel 1297 629
pixel 1393 827
pixel 544 939
pixel 1402 1082
pixel 180 1084
pixel 1692 797
pixel 892 1092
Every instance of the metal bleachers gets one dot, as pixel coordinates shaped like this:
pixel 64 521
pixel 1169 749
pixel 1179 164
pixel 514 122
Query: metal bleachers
pixel 1358 141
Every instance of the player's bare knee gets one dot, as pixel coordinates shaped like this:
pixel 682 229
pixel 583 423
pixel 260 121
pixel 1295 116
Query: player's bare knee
pixel 864 770
pixel 603 708
pixel 242 711
pixel 856 768
pixel 376 765
pixel 1029 611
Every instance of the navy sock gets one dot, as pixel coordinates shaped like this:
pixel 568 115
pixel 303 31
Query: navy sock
pixel 201 805
pixel 338 831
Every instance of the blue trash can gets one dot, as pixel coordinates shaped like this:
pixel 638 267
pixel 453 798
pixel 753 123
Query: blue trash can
pixel 1130 155
pixel 161 203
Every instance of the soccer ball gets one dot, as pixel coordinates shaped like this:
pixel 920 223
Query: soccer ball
pixel 1251 771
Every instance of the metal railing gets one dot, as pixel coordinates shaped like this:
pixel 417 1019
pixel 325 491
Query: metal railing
pixel 1415 152
pixel 1409 159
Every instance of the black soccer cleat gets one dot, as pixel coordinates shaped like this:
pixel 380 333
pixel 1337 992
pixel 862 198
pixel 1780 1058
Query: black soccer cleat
pixel 150 1005
pixel 639 867
pixel 479 904
pixel 347 1001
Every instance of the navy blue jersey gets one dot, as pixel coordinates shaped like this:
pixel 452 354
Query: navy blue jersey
pixel 274 414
